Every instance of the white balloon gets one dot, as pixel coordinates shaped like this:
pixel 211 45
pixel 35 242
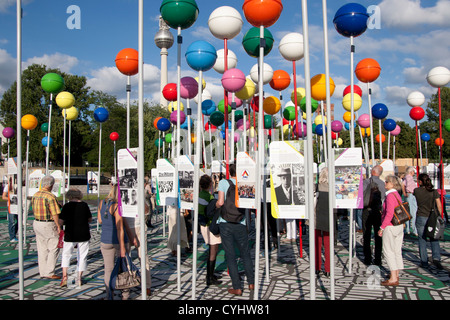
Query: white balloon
pixel 225 22
pixel 219 66
pixel 415 99
pixel 267 73
pixel 438 77
pixel 291 46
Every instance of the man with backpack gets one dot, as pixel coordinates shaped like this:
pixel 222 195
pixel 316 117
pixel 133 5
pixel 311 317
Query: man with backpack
pixel 371 215
pixel 233 231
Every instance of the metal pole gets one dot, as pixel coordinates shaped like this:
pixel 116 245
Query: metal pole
pixel 48 132
pixel 19 145
pixel 309 153
pixel 179 41
pixel 128 110
pixel 99 162
pixel 64 159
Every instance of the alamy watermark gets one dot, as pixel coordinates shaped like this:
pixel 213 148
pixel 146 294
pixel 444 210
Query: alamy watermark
pixel 74 20
pixel 374 21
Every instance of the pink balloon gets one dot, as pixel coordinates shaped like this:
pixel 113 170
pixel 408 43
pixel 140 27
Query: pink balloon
pixel 236 99
pixel 396 131
pixel 173 117
pixel 240 124
pixel 336 126
pixel 237 136
pixel 8 132
pixel 364 120
pixel 189 87
pixel 233 80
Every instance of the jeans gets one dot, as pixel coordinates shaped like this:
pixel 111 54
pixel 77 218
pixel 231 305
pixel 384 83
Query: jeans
pixel 12 226
pixel 435 249
pixel 231 234
pixel 411 199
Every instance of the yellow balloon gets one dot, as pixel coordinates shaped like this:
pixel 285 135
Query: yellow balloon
pixel 71 113
pixel 271 105
pixel 365 132
pixel 304 115
pixel 301 93
pixel 286 129
pixel 340 141
pixel 319 87
pixel 247 91
pixel 203 82
pixel 348 116
pixel 251 132
pixel 318 120
pixel 29 122
pixel 193 138
pixel 347 102
pixel 173 106
pixel 65 99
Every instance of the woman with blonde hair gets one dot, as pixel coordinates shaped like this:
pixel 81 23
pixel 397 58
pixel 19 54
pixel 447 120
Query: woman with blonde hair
pixel 75 216
pixel 114 238
pixel 392 236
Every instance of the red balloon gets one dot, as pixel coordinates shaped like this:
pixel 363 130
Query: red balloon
pixel 170 92
pixel 416 113
pixel 280 80
pixel 439 142
pixel 114 136
pixel 255 103
pixel 285 122
pixel 208 125
pixel 356 89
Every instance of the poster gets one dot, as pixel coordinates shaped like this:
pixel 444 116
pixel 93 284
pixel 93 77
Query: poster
pixel 60 185
pixel 186 182
pixel 92 182
pixel 348 178
pixel 165 182
pixel 34 181
pixel 287 181
pixel 246 180
pixel 218 172
pixel 127 182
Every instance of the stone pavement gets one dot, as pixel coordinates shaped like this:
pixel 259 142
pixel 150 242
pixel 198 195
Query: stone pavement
pixel 288 277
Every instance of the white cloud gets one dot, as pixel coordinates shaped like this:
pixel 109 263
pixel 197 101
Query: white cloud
pixel 407 14
pixel 8 67
pixel 58 60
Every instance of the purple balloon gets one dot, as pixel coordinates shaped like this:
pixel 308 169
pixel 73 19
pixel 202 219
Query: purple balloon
pixel 173 117
pixel 8 132
pixel 299 132
pixel 240 124
pixel 336 126
pixel 189 87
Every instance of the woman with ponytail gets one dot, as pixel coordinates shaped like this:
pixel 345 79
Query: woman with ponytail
pixel 427 197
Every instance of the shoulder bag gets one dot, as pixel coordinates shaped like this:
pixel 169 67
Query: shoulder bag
pixel 435 226
pixel 401 213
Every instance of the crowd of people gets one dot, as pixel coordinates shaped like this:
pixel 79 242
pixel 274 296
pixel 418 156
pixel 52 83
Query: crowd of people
pixel 71 223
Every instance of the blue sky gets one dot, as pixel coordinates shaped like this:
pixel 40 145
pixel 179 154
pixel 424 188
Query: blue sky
pixel 411 39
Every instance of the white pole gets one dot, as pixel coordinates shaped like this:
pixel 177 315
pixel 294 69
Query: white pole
pixel 309 153
pixel 70 140
pixel 26 189
pixel 369 93
pixel 48 132
pixel 352 145
pixel 19 144
pixel 128 109
pixel 64 159
pixel 196 185
pixel 99 163
pixel 331 175
pixel 141 174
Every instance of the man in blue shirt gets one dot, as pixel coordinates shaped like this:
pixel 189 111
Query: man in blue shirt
pixel 234 234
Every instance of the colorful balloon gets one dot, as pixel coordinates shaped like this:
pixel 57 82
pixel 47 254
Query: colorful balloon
pixel 127 61
pixel 396 131
pixel 347 102
pixel 318 87
pixel 8 132
pixel 356 89
pixel 262 12
pixel 65 100
pixel 367 70
pixel 179 14
pixel 247 91
pixel 417 113
pixel 271 105
pixel 188 87
pixel 364 120
pixel 114 136
pixel 336 126
pixel 163 124
pixel 29 122
pixel 52 82
pixel 379 111
pixel 217 118
pixel 251 42
pixel 280 80
pixel 383 138
pixel 201 56
pixel 351 20
pixel 389 124
pixel 170 92
pixel 174 116
pixel 233 80
pixel 101 114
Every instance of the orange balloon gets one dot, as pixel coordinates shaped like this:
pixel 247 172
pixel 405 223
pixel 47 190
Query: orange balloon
pixel 271 105
pixel 262 12
pixel 439 142
pixel 367 70
pixel 280 80
pixel 127 61
pixel 383 138
pixel 348 116
pixel 155 122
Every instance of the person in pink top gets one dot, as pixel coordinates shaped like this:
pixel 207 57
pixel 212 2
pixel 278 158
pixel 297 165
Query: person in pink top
pixel 392 235
pixel 408 186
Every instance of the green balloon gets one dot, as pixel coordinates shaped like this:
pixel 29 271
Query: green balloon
pixel 179 13
pixel 314 104
pixel 251 42
pixel 289 113
pixel 168 137
pixel 159 142
pixel 52 82
pixel 44 127
pixel 267 121
pixel 217 118
pixel 238 115
pixel 221 106
pixel 447 125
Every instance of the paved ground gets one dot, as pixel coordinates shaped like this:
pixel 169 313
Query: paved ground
pixel 288 276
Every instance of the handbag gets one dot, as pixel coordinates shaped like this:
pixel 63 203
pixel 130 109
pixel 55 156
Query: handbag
pixel 435 226
pixel 125 274
pixel 61 239
pixel 214 226
pixel 401 213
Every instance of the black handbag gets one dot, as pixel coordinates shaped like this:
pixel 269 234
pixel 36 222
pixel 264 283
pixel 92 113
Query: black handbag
pixel 214 226
pixel 401 213
pixel 435 226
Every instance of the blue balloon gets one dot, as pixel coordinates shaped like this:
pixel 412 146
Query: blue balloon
pixel 44 141
pixel 425 137
pixel 101 114
pixel 223 134
pixel 351 20
pixel 185 124
pixel 208 107
pixel 319 129
pixel 163 124
pixel 222 127
pixel 347 125
pixel 389 124
pixel 201 55
pixel 379 111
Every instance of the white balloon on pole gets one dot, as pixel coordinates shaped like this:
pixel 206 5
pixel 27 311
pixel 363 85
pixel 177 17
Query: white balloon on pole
pixel 291 46
pixel 225 22
pixel 415 99
pixel 219 66
pixel 206 95
pixel 267 73
pixel 438 77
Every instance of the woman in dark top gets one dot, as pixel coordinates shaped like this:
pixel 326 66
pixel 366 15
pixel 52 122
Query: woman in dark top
pixel 75 216
pixel 427 197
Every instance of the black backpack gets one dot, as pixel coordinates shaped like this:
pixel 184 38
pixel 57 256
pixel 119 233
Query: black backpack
pixel 210 209
pixel 229 211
